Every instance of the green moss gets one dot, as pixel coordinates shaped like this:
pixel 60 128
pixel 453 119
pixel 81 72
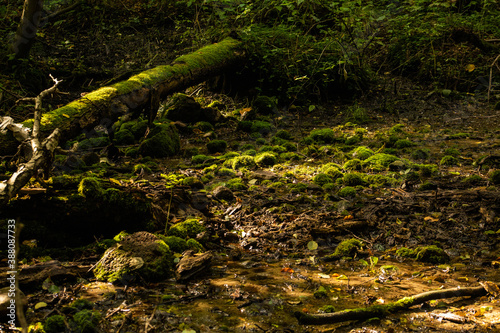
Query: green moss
pixel 162 141
pixel 245 126
pixel 265 105
pixel 85 321
pixel 243 162
pixel 403 143
pixel 265 159
pixel 262 127
pixel 362 153
pixel 195 245
pixel 284 134
pixel 346 248
pixel 189 228
pixel 204 126
pixel 495 177
pixel 138 168
pixel 325 135
pixel 123 137
pixel 54 324
pixel 176 244
pixel 473 180
pixel 426 170
pixel 132 151
pixel 431 254
pixel 201 159
pixel 353 179
pixel 397 129
pixel 120 236
pixel 225 172
pixel 420 154
pixel 192 182
pixel 452 152
pixel 216 146
pixel 250 152
pixel 297 188
pixel 322 179
pixel 236 184
pixel 81 304
pixel 379 161
pixel 290 156
pixel 90 188
pixel 449 160
pixel 354 164
pixel 327 309
pixel 405 252
pixel 320 292
pixel 458 136
pixel 102 141
pixel 353 140
pixel 428 186
pixel 347 191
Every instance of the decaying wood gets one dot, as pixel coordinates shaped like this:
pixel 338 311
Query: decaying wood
pixel 39 155
pixel 105 105
pixel 383 310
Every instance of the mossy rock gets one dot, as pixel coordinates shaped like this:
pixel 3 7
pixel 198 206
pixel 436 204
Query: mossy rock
pixel 265 159
pixel 182 107
pixel 54 324
pixel 495 177
pixel 262 127
pixel 403 143
pixel 362 153
pixel 123 137
pixel 139 128
pixel 200 159
pixel 324 135
pixel 236 184
pixel 322 179
pixel 193 182
pixel 162 141
pixel 216 146
pixel 353 179
pixel 420 154
pixel 141 254
pixel 93 143
pixel 354 164
pixel 264 105
pixel 195 245
pixel 176 244
pixel 449 160
pixel 244 161
pixel 189 228
pixel 346 248
pixel 431 254
pixel 284 134
pixel 379 161
pixel 85 321
pixel 90 188
pixel 347 191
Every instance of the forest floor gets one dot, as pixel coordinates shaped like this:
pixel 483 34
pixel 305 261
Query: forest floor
pixel 274 237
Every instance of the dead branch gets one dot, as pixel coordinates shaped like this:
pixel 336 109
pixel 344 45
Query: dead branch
pixel 41 154
pixel 383 310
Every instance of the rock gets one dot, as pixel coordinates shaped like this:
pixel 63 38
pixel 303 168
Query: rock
pixel 140 254
pixel 183 108
pixel 162 141
pixel 192 264
pixel 223 193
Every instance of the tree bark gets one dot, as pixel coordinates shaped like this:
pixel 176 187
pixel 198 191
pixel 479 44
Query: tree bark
pixel 26 31
pixel 105 105
pixel 382 310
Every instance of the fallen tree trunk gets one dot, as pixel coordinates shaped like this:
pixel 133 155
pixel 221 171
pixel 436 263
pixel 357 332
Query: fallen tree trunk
pixel 105 105
pixel 383 310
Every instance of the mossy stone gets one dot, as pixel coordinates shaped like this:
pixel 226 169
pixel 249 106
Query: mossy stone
pixel 347 191
pixel 324 135
pixel 322 179
pixel 431 254
pixel 176 244
pixel 189 228
pixel 123 137
pixel 283 134
pixel 346 248
pixel 85 321
pixel 264 105
pixel 93 143
pixel 54 324
pixel 353 179
pixel 193 182
pixel 261 127
pixel 243 162
pixel 90 188
pixel 195 245
pixel 495 177
pixel 362 153
pixel 162 141
pixel 236 184
pixel 139 128
pixel 265 159
pixel 354 164
pixel 182 107
pixel 216 146
pixel 449 160
pixel 379 160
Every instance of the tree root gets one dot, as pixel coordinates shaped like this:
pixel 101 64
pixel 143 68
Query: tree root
pixel 383 310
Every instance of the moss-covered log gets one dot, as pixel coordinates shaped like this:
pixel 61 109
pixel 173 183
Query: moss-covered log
pixel 383 310
pixel 105 105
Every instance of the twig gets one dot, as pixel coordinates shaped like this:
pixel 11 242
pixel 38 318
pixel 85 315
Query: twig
pixel 491 76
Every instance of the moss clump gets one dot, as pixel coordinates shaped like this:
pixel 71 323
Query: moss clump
pixel 452 152
pixel 90 188
pixel 244 161
pixel 431 254
pixel 54 324
pixel 380 161
pixel 428 186
pixel 189 228
pixel 216 146
pixel 347 248
pixel 183 108
pixel 200 159
pixel 495 177
pixel 85 321
pixel 362 153
pixel 324 135
pixel 353 179
pixel 327 309
pixel 347 191
pixel 120 236
pixel 353 140
pixel 265 159
pixel 264 105
pixel 458 136
pixel 403 143
pixel 284 134
pixel 322 179
pixel 236 184
pixel 102 141
pixel 472 180
pixel 354 164
pixel 448 160
pixel 262 127
pixel 193 182
pixel 162 141
pixel 290 156
pixel 320 292
pixel 123 137
pixel 225 172
pixel 195 245
pixel 297 188
pixel 138 168
pixel 81 304
pixel 397 129
pixel 426 170
pixel 204 126
pixel 176 244
pixel 420 154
